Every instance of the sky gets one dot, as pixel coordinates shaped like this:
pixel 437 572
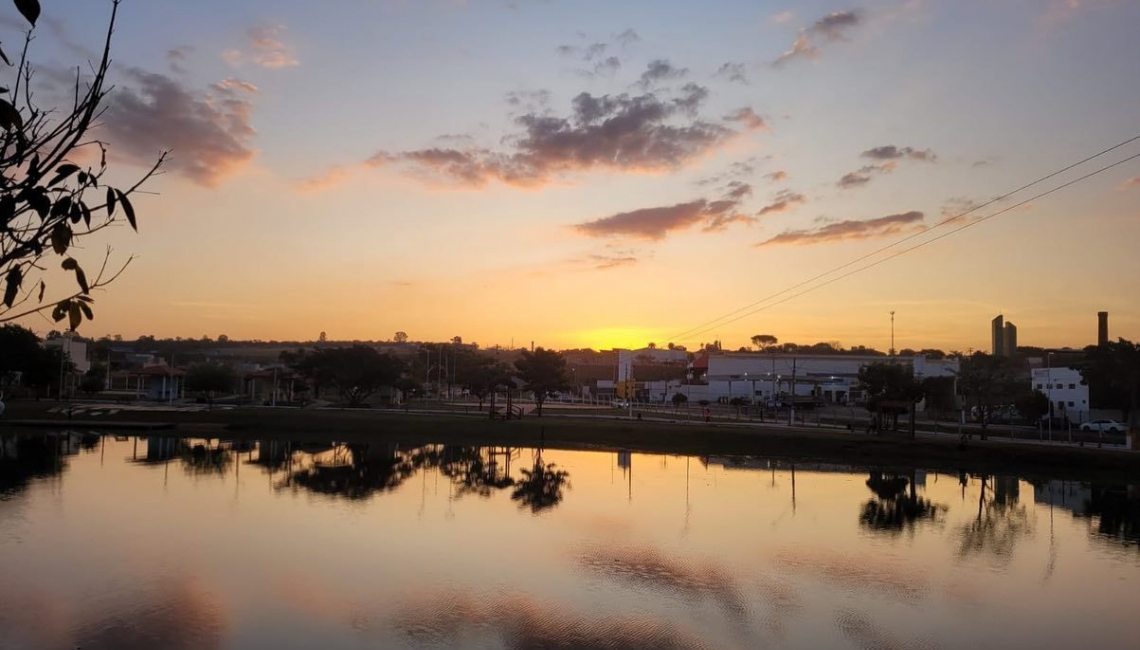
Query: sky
pixel 605 174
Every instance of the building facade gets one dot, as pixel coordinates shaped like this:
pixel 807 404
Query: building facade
pixel 1066 391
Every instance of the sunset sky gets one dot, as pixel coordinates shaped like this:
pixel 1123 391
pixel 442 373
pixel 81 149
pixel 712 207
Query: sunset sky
pixel 599 173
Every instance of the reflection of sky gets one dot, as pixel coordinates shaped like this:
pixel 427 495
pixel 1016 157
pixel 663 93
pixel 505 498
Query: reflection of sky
pixel 669 550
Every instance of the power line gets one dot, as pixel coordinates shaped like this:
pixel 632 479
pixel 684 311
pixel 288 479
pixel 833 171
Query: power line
pixel 693 330
pixel 916 246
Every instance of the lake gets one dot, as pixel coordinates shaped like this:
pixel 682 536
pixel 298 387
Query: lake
pixel 130 542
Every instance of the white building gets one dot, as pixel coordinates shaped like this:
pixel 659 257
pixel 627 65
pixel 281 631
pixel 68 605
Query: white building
pixel 831 378
pixel 1065 389
pixel 75 350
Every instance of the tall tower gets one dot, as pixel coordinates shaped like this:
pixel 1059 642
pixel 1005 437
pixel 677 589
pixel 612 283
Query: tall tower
pixel 997 336
pixel 1010 340
pixel 1102 328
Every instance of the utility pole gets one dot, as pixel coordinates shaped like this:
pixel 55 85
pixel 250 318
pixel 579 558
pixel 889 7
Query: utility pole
pixel 792 411
pixel 892 333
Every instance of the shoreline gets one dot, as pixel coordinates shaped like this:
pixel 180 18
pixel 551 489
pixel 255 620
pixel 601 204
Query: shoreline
pixel 887 451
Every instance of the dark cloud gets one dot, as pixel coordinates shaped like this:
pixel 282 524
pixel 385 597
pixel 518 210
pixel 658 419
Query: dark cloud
pixel 748 118
pixel 850 229
pixel 209 134
pixel 176 57
pixel 660 70
pixel 640 133
pixel 784 201
pixel 891 152
pixel 656 223
pixel 985 162
pixel 627 38
pixel 863 175
pixel 832 27
pixel 529 99
pixel 733 72
pixel 777 176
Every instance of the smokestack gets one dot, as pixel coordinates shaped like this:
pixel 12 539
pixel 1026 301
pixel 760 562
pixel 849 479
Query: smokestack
pixel 1102 328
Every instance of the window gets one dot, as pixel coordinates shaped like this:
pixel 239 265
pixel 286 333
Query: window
pixel 1071 404
pixel 1072 386
pixel 1040 386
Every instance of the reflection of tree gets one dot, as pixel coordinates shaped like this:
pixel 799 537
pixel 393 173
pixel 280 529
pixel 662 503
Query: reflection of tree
pixel 25 458
pixel 1000 522
pixel 540 487
pixel 894 508
pixel 200 459
pixel 1117 510
pixel 367 469
pixel 472 473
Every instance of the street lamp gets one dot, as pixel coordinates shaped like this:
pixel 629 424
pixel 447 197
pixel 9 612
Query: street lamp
pixel 1049 388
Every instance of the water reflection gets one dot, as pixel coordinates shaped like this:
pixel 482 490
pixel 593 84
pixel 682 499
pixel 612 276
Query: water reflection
pixel 1000 522
pixel 540 487
pixel 25 458
pixel 895 507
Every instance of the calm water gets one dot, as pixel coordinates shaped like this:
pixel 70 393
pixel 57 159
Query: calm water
pixel 124 543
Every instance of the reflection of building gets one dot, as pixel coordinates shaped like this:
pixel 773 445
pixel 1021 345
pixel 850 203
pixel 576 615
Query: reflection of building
pixel 1070 495
pixel 161 448
pixel 1065 388
pixel 624 459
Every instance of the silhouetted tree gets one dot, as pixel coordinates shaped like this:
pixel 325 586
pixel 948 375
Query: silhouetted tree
pixel 679 399
pixel 1112 372
pixel 400 337
pixel 888 386
pixel 764 341
pixel 544 372
pixel 1032 405
pixel 210 380
pixel 894 507
pixel 94 380
pixel 46 199
pixel 987 382
pixel 356 372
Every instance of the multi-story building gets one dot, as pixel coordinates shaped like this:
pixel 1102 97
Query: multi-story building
pixel 1066 391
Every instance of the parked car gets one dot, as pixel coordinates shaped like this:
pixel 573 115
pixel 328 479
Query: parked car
pixel 1104 426
pixel 620 404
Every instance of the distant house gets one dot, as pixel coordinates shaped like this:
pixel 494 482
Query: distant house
pixel 154 382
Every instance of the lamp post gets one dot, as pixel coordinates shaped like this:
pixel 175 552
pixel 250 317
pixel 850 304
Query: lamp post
pixel 1049 388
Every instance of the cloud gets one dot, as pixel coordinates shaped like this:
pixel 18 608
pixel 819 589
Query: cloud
pixel 1130 183
pixel 863 175
pixel 784 201
pixel 850 229
pixel 733 72
pixel 645 133
pixel 891 152
pixel 606 262
pixel 748 118
pixel 627 38
pixel 266 49
pixel 209 134
pixel 781 18
pixel 656 223
pixel 175 57
pixel 660 70
pixel 777 176
pixel 985 162
pixel 531 100
pixel 832 27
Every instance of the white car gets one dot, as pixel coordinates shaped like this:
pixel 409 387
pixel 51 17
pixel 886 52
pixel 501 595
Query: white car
pixel 1105 426
pixel 619 404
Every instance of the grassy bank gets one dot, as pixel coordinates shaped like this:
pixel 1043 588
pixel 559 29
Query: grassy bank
pixel 699 439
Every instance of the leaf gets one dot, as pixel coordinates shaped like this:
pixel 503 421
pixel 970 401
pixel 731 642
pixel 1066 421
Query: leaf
pixel 60 311
pixel 30 9
pixel 76 213
pixel 62 172
pixel 61 207
pixel 69 264
pixel 9 116
pixel 75 317
pixel 87 313
pixel 86 211
pixel 5 57
pixel 43 288
pixel 39 202
pixel 129 210
pixel 111 201
pixel 81 278
pixel 15 278
pixel 60 238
